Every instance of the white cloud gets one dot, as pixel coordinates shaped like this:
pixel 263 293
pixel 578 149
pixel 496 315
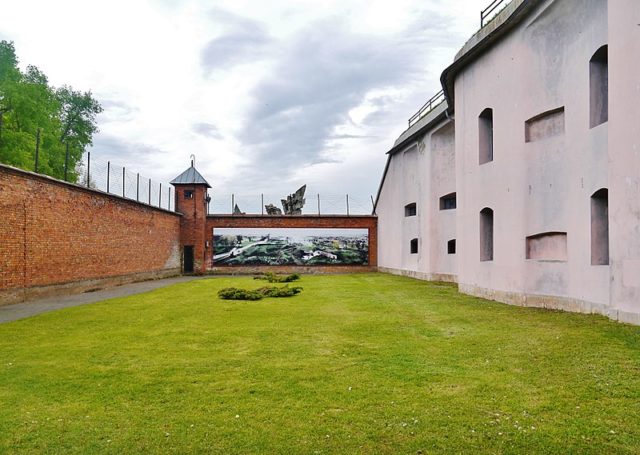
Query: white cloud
pixel 267 95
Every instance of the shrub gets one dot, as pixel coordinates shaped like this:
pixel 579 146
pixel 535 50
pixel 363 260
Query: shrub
pixel 273 278
pixel 257 294
pixel 274 291
pixel 239 294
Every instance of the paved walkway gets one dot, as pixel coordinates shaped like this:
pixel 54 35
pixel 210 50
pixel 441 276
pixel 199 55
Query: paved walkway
pixel 33 307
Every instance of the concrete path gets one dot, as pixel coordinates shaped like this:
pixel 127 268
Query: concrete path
pixel 33 307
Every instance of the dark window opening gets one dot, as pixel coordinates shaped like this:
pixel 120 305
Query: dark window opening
pixel 188 259
pixel 188 194
pixel 448 202
pixel 600 227
pixel 599 87
pixel 451 246
pixel 485 130
pixel 414 246
pixel 410 209
pixel 486 234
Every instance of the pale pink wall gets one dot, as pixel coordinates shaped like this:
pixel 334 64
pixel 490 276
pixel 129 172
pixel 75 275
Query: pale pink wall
pixel 624 157
pixel 421 173
pixel 540 186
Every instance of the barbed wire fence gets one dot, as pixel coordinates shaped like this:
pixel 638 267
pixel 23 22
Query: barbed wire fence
pixel 114 179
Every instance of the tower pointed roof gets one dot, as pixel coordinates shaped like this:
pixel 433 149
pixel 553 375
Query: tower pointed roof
pixel 190 177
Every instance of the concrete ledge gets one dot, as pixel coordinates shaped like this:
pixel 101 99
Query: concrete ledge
pixel 17 295
pixel 550 302
pixel 449 278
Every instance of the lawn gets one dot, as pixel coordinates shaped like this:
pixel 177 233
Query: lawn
pixel 366 363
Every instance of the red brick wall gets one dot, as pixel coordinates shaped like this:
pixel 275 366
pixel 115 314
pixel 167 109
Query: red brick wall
pixel 304 221
pixel 52 232
pixel 193 222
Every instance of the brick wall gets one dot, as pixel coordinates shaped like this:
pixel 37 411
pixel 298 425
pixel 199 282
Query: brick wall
pixel 304 221
pixel 54 233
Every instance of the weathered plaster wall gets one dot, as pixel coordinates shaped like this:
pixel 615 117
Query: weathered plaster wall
pixel 543 185
pixel 421 173
pixel 624 157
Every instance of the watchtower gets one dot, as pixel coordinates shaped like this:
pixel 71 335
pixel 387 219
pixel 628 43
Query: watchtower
pixel 191 200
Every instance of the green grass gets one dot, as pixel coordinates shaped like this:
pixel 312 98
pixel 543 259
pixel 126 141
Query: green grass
pixel 367 363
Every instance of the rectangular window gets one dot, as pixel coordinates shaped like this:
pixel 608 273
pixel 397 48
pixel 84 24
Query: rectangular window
pixel 448 202
pixel 410 209
pixel 485 130
pixel 188 194
pixel 451 246
pixel 600 227
pixel 486 234
pixel 414 246
pixel 599 87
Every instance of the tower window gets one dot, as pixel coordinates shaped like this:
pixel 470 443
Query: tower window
pixel 188 194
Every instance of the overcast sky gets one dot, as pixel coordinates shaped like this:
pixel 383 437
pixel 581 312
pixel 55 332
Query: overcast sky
pixel 268 95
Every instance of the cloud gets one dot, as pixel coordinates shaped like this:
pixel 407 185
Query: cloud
pixel 325 71
pixel 117 111
pixel 207 130
pixel 244 41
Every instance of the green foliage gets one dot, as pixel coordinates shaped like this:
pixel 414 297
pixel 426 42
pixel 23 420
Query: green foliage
pixel 239 294
pixel 274 291
pixel 273 278
pixel 257 294
pixel 28 103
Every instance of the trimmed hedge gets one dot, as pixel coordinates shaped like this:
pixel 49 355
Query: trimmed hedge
pixel 273 278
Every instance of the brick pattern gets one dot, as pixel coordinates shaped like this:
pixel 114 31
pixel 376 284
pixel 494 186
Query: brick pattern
pixel 304 221
pixel 193 222
pixel 52 232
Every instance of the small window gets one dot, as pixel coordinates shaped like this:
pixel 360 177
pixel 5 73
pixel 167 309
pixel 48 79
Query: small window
pixel 486 234
pixel 600 227
pixel 188 194
pixel 414 246
pixel 485 130
pixel 451 246
pixel 410 209
pixel 547 246
pixel 599 87
pixel 448 202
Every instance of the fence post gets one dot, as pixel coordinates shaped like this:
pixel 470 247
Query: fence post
pixel 168 198
pixel 318 204
pixel 138 187
pixel 88 168
pixel 262 202
pixel 373 205
pixel 233 202
pixel 108 174
pixel 149 191
pixel 66 163
pixel 347 205
pixel 124 176
pixel 37 149
pixel 160 196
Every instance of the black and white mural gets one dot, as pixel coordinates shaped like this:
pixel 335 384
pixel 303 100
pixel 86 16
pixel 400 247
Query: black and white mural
pixel 290 246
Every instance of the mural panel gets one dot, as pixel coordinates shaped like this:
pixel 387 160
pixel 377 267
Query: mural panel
pixel 290 246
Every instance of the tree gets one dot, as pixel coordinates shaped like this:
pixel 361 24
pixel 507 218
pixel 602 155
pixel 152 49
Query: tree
pixel 28 104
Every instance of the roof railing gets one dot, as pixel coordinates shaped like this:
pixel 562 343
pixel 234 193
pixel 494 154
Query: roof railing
pixel 428 107
pixel 493 6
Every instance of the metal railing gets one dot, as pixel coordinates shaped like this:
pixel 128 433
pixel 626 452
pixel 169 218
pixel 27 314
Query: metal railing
pixel 491 9
pixel 434 101
pixel 316 204
pixel 113 179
